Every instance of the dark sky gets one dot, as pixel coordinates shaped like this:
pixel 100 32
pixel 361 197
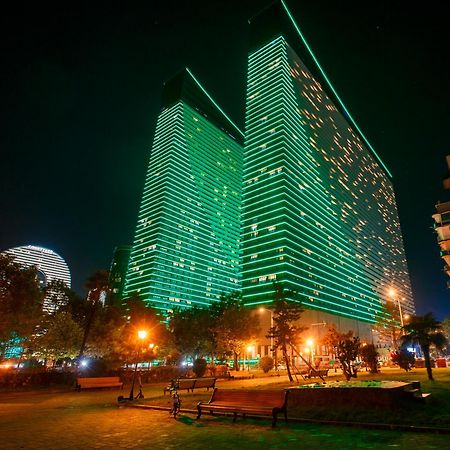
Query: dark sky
pixel 80 92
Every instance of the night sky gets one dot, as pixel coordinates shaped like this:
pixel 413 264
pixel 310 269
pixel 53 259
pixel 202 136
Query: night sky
pixel 80 92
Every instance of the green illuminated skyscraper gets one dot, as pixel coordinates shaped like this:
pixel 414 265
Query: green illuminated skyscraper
pixel 186 244
pixel 319 212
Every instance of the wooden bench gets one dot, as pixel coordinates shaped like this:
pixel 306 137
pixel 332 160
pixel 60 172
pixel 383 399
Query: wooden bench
pixel 318 373
pixel 244 401
pixel 190 384
pixel 98 382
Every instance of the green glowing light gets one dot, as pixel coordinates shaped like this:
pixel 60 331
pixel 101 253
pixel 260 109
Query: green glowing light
pixel 214 103
pixel 332 88
pixel 186 244
pixel 295 199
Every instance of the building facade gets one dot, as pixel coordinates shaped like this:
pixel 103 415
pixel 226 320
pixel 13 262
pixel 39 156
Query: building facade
pixel 319 212
pixel 442 226
pixel 50 267
pixel 186 246
pixel 118 271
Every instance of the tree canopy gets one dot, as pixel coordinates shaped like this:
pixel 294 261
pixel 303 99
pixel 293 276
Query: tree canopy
pixel 21 301
pixel 425 331
pixel 285 330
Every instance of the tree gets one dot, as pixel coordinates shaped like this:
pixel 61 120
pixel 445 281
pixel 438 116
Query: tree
pixel 190 329
pixel 332 338
pixel 403 358
pixel 266 363
pixel 98 287
pixel 446 328
pixel 114 331
pixel 346 349
pixel 21 301
pixel 199 367
pixel 57 294
pixel 233 325
pixel 61 339
pixel 287 311
pixel 370 355
pixel 388 323
pixel 425 331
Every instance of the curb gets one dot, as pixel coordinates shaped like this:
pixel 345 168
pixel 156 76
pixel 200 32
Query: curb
pixel 370 425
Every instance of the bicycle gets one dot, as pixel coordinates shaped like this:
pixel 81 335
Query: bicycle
pixel 176 403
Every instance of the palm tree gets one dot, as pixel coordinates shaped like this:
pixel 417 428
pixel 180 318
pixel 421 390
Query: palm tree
pixel 425 331
pixel 97 285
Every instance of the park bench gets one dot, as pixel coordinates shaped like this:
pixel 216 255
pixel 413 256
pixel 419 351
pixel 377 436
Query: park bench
pixel 243 401
pixel 98 382
pixel 318 373
pixel 240 375
pixel 306 372
pixel 190 384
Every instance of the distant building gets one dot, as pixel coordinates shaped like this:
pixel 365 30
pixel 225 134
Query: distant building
pixel 49 264
pixel 318 210
pixel 118 271
pixel 442 225
pixel 186 246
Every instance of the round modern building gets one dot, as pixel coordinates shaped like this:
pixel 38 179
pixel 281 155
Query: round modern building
pixel 50 266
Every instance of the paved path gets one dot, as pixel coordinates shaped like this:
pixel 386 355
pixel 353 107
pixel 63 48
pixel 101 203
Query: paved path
pixel 92 420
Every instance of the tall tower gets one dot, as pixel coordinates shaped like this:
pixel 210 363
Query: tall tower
pixel 50 267
pixel 186 245
pixel 319 212
pixel 118 271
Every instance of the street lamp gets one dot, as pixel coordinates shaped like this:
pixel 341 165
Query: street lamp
pixel 274 353
pixel 250 349
pixel 310 344
pixel 393 295
pixel 142 334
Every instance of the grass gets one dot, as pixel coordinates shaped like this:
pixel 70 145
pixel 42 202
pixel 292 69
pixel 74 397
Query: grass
pixel 434 412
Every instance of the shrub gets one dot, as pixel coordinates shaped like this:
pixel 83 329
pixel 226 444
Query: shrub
pixel 403 359
pixel 369 355
pixel 266 363
pixel 347 350
pixel 199 367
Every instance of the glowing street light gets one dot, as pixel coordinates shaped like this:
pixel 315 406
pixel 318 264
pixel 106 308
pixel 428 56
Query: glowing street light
pixel 142 335
pixel 393 294
pixel 310 344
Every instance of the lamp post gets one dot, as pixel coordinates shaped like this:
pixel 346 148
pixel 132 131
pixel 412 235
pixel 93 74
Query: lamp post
pixel 274 353
pixel 142 334
pixel 310 344
pixel 393 295
pixel 250 349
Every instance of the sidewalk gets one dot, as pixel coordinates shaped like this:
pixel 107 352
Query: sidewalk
pixel 93 420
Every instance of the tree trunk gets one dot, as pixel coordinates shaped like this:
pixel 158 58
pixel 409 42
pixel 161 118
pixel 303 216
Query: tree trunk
pixel 236 361
pixel 286 360
pixel 346 370
pixel 87 329
pixel 426 355
pixel 394 338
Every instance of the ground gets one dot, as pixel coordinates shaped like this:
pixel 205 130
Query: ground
pixel 92 419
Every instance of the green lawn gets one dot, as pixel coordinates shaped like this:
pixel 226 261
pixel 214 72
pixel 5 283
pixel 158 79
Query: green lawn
pixel 434 412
